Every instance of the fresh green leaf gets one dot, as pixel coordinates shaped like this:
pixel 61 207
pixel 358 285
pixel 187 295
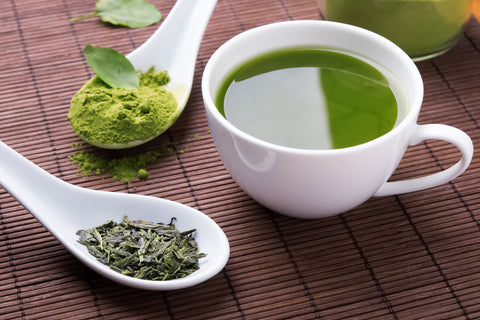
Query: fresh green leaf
pixel 112 67
pixel 126 13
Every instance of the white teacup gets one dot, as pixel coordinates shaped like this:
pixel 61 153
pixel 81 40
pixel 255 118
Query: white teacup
pixel 318 183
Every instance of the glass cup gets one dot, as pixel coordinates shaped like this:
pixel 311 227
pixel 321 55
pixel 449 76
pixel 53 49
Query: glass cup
pixel 422 28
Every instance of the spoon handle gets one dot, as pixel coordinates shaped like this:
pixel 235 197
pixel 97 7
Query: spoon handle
pixel 174 45
pixel 29 184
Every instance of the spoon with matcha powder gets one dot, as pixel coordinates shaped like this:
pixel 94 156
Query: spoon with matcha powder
pixel 123 114
pixel 64 209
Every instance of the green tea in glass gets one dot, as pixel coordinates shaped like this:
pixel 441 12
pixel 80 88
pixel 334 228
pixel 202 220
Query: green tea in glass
pixel 422 28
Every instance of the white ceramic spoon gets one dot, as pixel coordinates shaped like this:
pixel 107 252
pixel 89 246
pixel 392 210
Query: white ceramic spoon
pixel 64 208
pixel 174 48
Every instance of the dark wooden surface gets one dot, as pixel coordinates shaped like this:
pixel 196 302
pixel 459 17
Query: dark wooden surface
pixel 401 257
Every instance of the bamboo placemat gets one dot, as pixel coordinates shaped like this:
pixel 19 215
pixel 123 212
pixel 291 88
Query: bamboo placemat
pixel 410 256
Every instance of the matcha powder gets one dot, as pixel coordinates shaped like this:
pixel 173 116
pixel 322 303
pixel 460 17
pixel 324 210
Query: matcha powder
pixel 124 169
pixel 120 168
pixel 100 114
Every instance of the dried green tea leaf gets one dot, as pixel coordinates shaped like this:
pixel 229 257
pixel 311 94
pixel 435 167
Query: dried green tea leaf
pixel 126 13
pixel 112 67
pixel 143 250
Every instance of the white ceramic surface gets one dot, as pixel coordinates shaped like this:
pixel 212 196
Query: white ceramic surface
pixel 320 183
pixel 64 209
pixel 173 47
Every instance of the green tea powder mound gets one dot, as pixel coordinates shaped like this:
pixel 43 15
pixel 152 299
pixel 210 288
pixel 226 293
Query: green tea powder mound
pixel 100 114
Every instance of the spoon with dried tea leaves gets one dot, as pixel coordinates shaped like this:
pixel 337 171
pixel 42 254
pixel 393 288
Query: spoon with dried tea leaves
pixel 64 209
pixel 172 48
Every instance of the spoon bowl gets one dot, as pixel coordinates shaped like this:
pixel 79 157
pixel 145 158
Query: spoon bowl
pixel 173 47
pixel 64 209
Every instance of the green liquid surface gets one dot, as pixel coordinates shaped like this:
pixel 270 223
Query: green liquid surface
pixel 309 98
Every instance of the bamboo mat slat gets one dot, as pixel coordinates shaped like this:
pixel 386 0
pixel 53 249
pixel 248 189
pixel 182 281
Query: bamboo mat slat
pixel 411 256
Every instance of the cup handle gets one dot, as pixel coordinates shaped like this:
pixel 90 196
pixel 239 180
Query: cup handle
pixel 439 132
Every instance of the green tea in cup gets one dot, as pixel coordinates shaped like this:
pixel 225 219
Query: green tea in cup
pixel 312 98
pixel 422 28
pixel 353 75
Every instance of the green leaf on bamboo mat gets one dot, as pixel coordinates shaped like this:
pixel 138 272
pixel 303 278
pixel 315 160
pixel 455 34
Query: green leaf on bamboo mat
pixel 112 67
pixel 126 13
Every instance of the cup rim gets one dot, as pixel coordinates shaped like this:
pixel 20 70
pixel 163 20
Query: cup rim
pixel 413 108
